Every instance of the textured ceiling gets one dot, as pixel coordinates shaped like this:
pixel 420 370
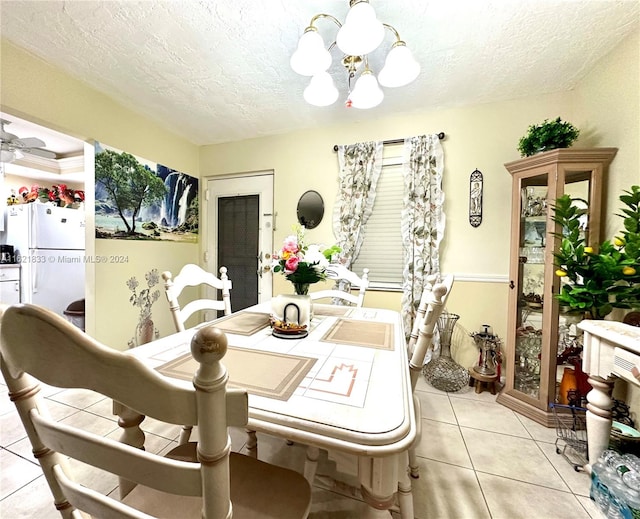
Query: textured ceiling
pixel 219 71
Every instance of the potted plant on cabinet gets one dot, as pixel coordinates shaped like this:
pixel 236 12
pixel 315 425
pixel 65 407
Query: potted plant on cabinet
pixel 546 136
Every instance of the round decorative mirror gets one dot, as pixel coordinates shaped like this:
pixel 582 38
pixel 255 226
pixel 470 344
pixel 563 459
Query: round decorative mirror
pixel 310 209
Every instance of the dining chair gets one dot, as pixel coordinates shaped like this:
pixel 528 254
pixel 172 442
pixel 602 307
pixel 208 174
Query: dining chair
pixel 344 277
pixel 420 313
pixel 194 276
pixel 37 346
pixel 434 296
pixel 432 303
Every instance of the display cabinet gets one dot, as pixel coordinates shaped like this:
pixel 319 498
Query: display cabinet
pixel 538 330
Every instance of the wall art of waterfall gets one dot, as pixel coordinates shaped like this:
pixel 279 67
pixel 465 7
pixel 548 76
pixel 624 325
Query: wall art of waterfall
pixel 148 201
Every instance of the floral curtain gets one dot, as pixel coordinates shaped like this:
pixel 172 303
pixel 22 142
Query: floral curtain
pixel 360 167
pixel 423 218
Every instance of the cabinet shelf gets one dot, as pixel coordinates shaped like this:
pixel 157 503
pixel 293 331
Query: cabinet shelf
pixel 535 335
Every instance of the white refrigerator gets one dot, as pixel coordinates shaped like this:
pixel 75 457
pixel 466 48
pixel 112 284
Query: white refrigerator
pixel 49 246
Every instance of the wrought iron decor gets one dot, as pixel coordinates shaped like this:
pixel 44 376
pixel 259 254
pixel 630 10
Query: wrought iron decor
pixel 475 198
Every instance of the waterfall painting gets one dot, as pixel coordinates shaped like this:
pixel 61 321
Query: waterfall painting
pixel 140 200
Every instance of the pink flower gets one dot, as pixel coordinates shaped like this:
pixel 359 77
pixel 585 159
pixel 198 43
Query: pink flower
pixel 290 244
pixel 291 265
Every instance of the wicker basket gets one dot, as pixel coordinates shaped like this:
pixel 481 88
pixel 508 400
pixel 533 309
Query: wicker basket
pixel 624 443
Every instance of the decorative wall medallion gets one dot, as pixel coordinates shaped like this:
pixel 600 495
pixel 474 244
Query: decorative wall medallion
pixel 475 198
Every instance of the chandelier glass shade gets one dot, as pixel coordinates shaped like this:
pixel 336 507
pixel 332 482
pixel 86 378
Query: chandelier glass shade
pixel 367 93
pixel 361 34
pixel 400 67
pixel 321 90
pixel 310 58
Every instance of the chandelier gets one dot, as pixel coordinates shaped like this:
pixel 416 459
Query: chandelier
pixel 361 34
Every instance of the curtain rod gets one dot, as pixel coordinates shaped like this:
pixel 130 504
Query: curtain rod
pixel 441 136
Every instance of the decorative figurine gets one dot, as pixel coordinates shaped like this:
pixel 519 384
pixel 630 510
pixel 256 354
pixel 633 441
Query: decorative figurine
pixel 13 199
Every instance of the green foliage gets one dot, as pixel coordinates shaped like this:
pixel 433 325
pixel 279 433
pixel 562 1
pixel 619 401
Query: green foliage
pixel 599 280
pixel 191 219
pixel 330 251
pixel 128 184
pixel 304 273
pixel 547 136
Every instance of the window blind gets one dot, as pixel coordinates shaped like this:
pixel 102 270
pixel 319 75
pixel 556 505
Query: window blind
pixel 381 250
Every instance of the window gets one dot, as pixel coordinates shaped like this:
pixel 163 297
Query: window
pixel 381 250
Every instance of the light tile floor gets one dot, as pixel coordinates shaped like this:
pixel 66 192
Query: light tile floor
pixel 478 459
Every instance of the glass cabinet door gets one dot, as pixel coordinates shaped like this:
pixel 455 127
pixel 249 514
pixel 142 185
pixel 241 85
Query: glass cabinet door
pixel 530 287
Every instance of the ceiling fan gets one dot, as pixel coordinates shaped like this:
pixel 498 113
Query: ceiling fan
pixel 13 147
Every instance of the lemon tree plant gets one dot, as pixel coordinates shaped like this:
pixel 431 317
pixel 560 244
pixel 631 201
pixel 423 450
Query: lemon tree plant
pixel 597 280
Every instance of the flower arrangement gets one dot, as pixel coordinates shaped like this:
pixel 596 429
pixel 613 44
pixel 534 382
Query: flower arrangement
pixel 604 279
pixel 547 135
pixel 300 263
pixel 59 194
pixel 62 195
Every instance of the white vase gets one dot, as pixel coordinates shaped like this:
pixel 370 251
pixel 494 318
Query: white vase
pixel 292 308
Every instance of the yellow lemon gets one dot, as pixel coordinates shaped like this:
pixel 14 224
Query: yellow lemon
pixel 588 250
pixel 618 242
pixel 560 273
pixel 628 271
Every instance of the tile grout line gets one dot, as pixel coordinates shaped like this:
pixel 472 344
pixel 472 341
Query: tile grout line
pixel 475 472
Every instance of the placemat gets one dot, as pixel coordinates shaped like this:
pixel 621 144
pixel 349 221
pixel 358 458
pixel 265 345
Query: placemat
pixel 274 375
pixel 332 310
pixel 361 333
pixel 242 323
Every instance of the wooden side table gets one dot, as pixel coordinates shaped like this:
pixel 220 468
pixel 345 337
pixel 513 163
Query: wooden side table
pixel 482 382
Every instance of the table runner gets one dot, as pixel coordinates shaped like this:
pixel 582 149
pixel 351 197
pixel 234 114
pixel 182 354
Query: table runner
pixel 352 332
pixel 274 375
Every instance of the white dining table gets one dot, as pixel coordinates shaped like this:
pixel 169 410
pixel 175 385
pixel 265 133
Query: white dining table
pixel 345 387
